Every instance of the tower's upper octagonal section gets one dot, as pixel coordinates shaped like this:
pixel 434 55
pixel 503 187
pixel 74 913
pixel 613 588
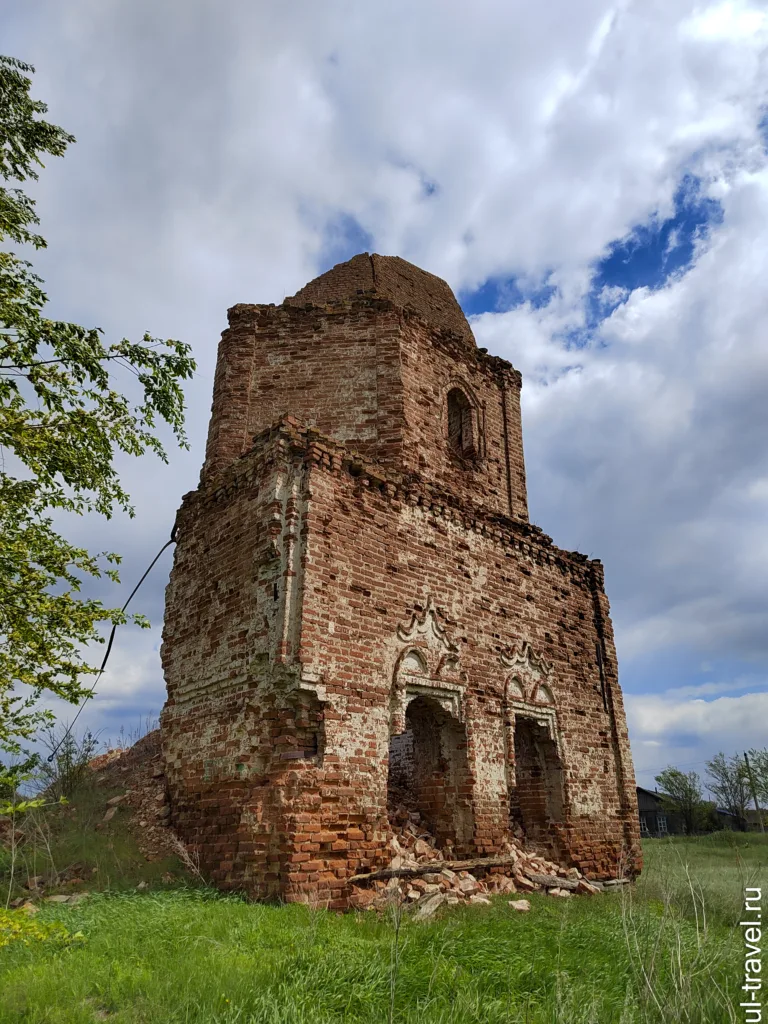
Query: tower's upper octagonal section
pixel 376 354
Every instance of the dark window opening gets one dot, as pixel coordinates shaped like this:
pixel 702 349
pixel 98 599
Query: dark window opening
pixel 310 749
pixel 461 429
pixel 536 801
pixel 302 738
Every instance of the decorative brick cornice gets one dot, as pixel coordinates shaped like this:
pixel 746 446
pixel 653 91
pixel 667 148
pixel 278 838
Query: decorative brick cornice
pixel 289 441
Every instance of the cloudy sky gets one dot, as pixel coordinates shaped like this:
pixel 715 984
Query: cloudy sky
pixel 592 180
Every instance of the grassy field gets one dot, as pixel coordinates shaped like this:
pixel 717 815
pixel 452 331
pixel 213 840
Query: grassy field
pixel 60 838
pixel 669 951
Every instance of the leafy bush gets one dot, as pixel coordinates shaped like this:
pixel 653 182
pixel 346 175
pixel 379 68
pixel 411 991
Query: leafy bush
pixel 66 768
pixel 20 926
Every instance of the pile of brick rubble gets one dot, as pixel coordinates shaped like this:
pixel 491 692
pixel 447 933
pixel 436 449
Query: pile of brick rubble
pixel 418 875
pixel 423 877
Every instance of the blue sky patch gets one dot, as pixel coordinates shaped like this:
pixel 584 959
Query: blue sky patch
pixel 647 256
pixel 762 127
pixel 682 667
pixel 653 252
pixel 498 295
pixel 662 670
pixel 343 238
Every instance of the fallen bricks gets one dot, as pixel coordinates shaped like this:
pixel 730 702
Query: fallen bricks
pixel 553 881
pixel 437 866
pixel 424 879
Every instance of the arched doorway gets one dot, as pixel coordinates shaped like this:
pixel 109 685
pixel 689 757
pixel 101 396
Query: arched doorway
pixel 428 772
pixel 536 799
pixel 536 779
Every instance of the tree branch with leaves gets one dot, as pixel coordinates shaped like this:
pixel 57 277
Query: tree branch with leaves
pixel 62 422
pixel 728 782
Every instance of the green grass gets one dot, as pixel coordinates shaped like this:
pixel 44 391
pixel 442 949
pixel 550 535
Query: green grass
pixel 58 838
pixel 715 868
pixel 194 956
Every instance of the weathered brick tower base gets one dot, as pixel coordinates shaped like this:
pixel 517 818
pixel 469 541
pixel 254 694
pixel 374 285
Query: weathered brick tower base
pixel 359 607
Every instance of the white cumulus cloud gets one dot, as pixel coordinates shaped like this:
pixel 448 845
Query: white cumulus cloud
pixel 219 144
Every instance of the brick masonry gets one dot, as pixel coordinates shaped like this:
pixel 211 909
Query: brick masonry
pixel 359 607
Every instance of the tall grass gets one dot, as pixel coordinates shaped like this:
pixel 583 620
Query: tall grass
pixel 712 870
pixel 666 951
pixel 54 841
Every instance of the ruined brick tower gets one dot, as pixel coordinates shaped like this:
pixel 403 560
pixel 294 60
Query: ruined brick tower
pixel 359 606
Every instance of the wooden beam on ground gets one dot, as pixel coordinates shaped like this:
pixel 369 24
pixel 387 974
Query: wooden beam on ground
pixel 436 866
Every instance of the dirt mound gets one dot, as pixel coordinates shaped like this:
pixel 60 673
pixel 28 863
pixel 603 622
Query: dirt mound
pixel 139 772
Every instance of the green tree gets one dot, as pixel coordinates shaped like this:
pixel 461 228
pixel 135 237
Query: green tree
pixel 758 760
pixel 62 421
pixel 682 794
pixel 728 782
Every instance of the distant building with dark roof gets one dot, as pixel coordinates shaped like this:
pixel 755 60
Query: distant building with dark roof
pixel 655 819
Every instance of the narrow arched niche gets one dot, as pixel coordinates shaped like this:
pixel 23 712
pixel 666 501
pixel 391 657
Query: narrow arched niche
pixel 413 663
pixel 544 694
pixel 462 429
pixel 515 690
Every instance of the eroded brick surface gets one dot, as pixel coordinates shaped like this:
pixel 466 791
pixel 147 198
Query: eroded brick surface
pixel 359 605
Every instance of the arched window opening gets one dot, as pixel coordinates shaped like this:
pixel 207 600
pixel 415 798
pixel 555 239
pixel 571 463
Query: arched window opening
pixel 461 428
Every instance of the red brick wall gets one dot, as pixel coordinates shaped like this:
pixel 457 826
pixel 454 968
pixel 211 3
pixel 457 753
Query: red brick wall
pixel 431 366
pixel 293 574
pixel 330 592
pixel 378 556
pixel 320 365
pixel 375 377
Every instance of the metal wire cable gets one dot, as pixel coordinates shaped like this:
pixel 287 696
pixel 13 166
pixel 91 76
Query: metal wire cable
pixel 88 695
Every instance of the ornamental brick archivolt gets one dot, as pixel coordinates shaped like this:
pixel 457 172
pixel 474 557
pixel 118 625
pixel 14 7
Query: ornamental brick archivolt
pixel 528 690
pixel 426 624
pixel 516 690
pixel 427 667
pixel 531 679
pixel 523 659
